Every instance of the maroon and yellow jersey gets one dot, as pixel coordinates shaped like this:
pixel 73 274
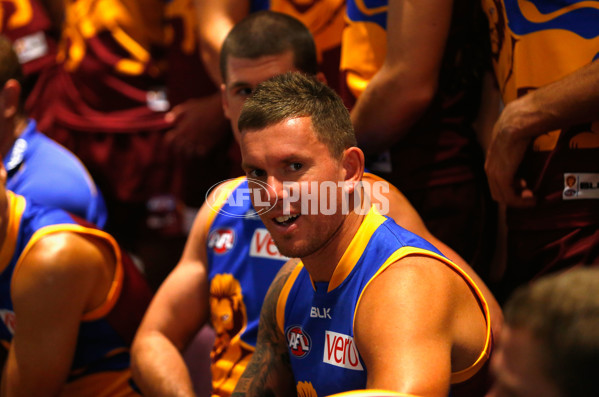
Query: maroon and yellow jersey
pixel 535 43
pixel 526 37
pixel 325 20
pixel 111 68
pixel 26 24
pixel 187 77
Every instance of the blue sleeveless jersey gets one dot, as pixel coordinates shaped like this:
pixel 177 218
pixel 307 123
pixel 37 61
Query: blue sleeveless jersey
pixel 243 260
pixel 317 319
pixel 43 171
pixel 101 362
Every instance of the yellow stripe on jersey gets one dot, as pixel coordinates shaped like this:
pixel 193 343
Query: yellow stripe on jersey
pixel 21 16
pixel 16 207
pixel 465 374
pixel 356 247
pixel 364 9
pixel 532 13
pixel 222 194
pixel 372 393
pixel 284 294
pixel 117 282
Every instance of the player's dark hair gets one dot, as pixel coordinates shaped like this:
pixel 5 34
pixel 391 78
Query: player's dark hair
pixel 270 33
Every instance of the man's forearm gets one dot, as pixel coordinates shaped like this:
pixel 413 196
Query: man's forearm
pixel 159 369
pixel 386 110
pixel 566 102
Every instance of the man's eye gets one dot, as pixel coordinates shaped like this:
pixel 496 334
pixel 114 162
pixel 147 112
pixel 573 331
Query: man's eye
pixel 245 92
pixel 256 173
pixel 295 166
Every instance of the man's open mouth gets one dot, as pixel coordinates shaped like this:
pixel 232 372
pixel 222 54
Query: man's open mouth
pixel 285 220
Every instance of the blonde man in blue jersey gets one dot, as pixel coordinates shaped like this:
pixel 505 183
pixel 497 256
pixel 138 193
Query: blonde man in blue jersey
pixel 370 305
pixel 220 277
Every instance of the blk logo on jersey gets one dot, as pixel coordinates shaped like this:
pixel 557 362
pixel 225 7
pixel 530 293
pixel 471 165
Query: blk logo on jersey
pixel 299 341
pixel 221 240
pixel 340 351
pixel 263 246
pixel 317 312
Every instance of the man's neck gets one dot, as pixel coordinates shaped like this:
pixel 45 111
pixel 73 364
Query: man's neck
pixel 19 125
pixel 321 264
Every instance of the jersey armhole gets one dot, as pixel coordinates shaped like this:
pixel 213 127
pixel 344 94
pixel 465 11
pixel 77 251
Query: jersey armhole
pixel 465 374
pixel 117 280
pixel 222 194
pixel 282 301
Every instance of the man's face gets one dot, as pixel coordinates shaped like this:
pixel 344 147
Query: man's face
pixel 244 74
pixel 517 366
pixel 290 152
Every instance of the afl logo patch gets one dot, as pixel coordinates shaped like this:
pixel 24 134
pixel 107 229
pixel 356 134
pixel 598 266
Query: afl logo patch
pixel 299 341
pixel 221 240
pixel 9 320
pixel 569 193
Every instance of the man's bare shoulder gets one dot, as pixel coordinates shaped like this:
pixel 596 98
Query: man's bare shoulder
pixel 69 252
pixel 422 272
pixel 62 261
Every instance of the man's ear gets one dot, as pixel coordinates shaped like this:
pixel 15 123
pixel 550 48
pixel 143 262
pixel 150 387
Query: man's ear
pixel 353 166
pixel 224 100
pixel 11 94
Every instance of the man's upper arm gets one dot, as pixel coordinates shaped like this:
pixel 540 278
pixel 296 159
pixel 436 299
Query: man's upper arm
pixel 181 304
pixel 52 288
pixel 269 370
pixel 407 81
pixel 175 315
pixel 409 351
pixel 405 215
pixel 416 36
pixel 215 20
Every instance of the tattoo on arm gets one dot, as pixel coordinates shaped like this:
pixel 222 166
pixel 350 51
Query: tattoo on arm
pixel 269 371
